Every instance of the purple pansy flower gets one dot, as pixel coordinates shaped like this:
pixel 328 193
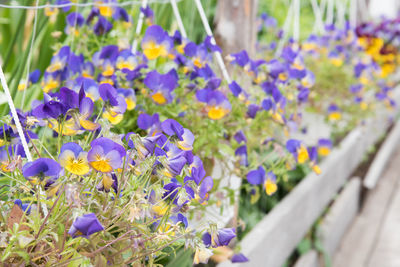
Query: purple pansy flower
pixel 172 127
pixel 235 88
pixel 187 140
pixel 85 226
pixel 257 176
pixel 241 58
pixel 156 42
pixel 26 207
pixel 219 238
pixel 252 110
pixel 206 185
pixel 36 171
pixel 241 152
pixel 74 159
pixel 239 257
pixel 147 145
pixel 74 20
pixel 218 105
pixel 324 146
pixel 102 26
pixel 298 150
pixel 105 155
pixel 161 85
pixel 240 137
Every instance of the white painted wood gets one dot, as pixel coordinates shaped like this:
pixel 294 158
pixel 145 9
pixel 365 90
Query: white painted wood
pixel 353 13
pixel 317 128
pixel 209 32
pixel 310 259
pixel 387 246
pixel 286 28
pixel 318 24
pixel 340 216
pixel 387 8
pixel 15 115
pixel 381 158
pixel 178 18
pixel 296 20
pixel 273 239
pixel 358 243
pixel 138 28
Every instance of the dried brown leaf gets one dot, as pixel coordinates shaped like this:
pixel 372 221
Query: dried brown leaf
pixel 15 216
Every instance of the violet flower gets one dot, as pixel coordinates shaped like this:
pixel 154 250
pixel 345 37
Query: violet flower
pixel 85 226
pixel 105 155
pixel 219 238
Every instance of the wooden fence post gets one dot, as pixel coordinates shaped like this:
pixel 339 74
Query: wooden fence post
pixel 235 25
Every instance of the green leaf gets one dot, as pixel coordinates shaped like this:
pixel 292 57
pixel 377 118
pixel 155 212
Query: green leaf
pixel 226 149
pixel 24 255
pixel 6 253
pixel 255 197
pixel 304 246
pixel 182 259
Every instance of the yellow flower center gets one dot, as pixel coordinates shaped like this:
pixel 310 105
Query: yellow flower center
pixel 337 62
pixel 197 62
pixel 21 86
pixel 282 76
pixel 270 187
pixel 308 46
pixel 302 155
pixel 335 116
pixel 55 66
pixel 105 11
pixel 159 98
pixel 4 166
pixel 297 66
pixel 364 80
pixel 276 116
pixel 363 105
pixel 108 71
pixel 101 164
pixel 130 104
pixel 86 74
pixel 125 65
pixel 216 113
pixel 49 11
pixel 160 209
pixel 152 50
pixel 306 83
pixel 77 166
pixel 324 151
pixel 117 118
pixel 180 48
pixel 50 85
pixel 109 81
pixel 316 169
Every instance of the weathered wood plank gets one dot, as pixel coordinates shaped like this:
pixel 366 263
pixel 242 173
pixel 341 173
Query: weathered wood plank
pixel 275 237
pixel 381 158
pixel 363 232
pixel 387 247
pixel 236 26
pixel 310 259
pixel 339 218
